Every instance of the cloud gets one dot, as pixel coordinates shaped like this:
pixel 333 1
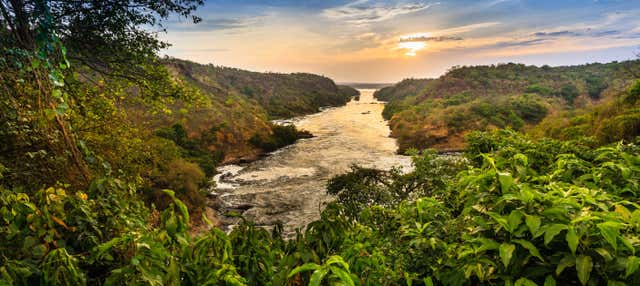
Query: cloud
pixel 363 12
pixel 466 28
pixel 519 43
pixel 606 33
pixel 556 34
pixel 216 24
pixel 496 2
pixel 586 33
pixel 430 39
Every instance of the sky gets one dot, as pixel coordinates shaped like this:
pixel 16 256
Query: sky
pixel 387 41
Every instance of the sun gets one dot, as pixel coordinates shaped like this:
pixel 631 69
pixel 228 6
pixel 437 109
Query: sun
pixel 412 47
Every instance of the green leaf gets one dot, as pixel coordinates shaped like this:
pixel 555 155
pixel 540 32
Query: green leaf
pixel 529 246
pixel 336 259
pixel 506 252
pixel 549 281
pixel 572 239
pixel 584 265
pixel 565 262
pixel 633 263
pixel 487 244
pixel 609 231
pixel 628 244
pixel 428 281
pixel 343 275
pixel 316 277
pixel 302 268
pixel 514 220
pixel 605 254
pixel 506 181
pixel 552 231
pixel 499 219
pixel 39 251
pixel 525 282
pixel 533 223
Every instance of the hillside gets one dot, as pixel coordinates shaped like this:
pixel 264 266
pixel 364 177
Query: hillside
pixel 231 120
pixel 281 95
pixel 438 113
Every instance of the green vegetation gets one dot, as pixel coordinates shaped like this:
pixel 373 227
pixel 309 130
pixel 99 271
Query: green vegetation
pixel 437 113
pixel 511 211
pixel 610 121
pixel 281 95
pixel 281 136
pixel 104 150
pixel 84 96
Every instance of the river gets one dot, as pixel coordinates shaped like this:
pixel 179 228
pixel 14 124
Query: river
pixel 289 184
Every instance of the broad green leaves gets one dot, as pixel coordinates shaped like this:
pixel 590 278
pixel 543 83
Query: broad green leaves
pixel 334 265
pixel 633 263
pixel 506 252
pixel 533 223
pixel 530 247
pixel 584 265
pixel 551 231
pixel 572 239
pixel 610 231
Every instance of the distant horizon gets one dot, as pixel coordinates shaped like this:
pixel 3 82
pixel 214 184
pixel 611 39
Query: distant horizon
pixel 389 40
pixel 636 57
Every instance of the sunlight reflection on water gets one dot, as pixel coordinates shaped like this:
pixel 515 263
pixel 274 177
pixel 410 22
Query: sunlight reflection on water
pixel 289 184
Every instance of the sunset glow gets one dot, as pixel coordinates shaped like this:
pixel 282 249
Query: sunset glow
pixel 372 40
pixel 412 47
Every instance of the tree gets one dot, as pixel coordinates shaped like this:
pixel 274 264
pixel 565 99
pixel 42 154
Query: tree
pixel 49 50
pixel 569 92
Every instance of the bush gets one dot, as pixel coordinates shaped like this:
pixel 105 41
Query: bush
pixel 281 135
pixel 633 94
pixel 595 86
pixel 569 92
pixel 539 89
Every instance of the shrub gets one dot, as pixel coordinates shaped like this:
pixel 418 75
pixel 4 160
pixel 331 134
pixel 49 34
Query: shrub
pixel 569 92
pixel 633 94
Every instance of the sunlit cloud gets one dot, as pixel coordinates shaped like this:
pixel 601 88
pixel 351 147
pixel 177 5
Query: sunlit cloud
pixel 412 47
pixel 466 28
pixel 386 40
pixel 413 43
pixel 364 11
pixel 426 38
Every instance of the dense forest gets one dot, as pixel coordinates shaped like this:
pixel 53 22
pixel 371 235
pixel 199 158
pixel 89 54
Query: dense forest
pixel 105 148
pixel 559 102
pixel 73 111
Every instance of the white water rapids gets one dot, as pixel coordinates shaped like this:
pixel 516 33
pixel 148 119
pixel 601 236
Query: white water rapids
pixel 289 184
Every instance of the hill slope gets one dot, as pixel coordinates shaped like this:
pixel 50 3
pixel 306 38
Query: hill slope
pixel 233 119
pixel 439 112
pixel 281 95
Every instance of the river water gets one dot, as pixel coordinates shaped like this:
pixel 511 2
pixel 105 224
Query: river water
pixel 289 185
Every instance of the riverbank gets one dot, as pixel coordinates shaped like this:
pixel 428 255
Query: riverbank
pixel 288 185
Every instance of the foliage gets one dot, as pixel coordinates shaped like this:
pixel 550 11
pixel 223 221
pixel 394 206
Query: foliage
pixel 362 188
pixel 281 95
pixel 437 113
pixel 610 121
pixel 83 95
pixel 282 135
pixel 96 130
pixel 595 86
pixel 634 93
pixel 334 269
